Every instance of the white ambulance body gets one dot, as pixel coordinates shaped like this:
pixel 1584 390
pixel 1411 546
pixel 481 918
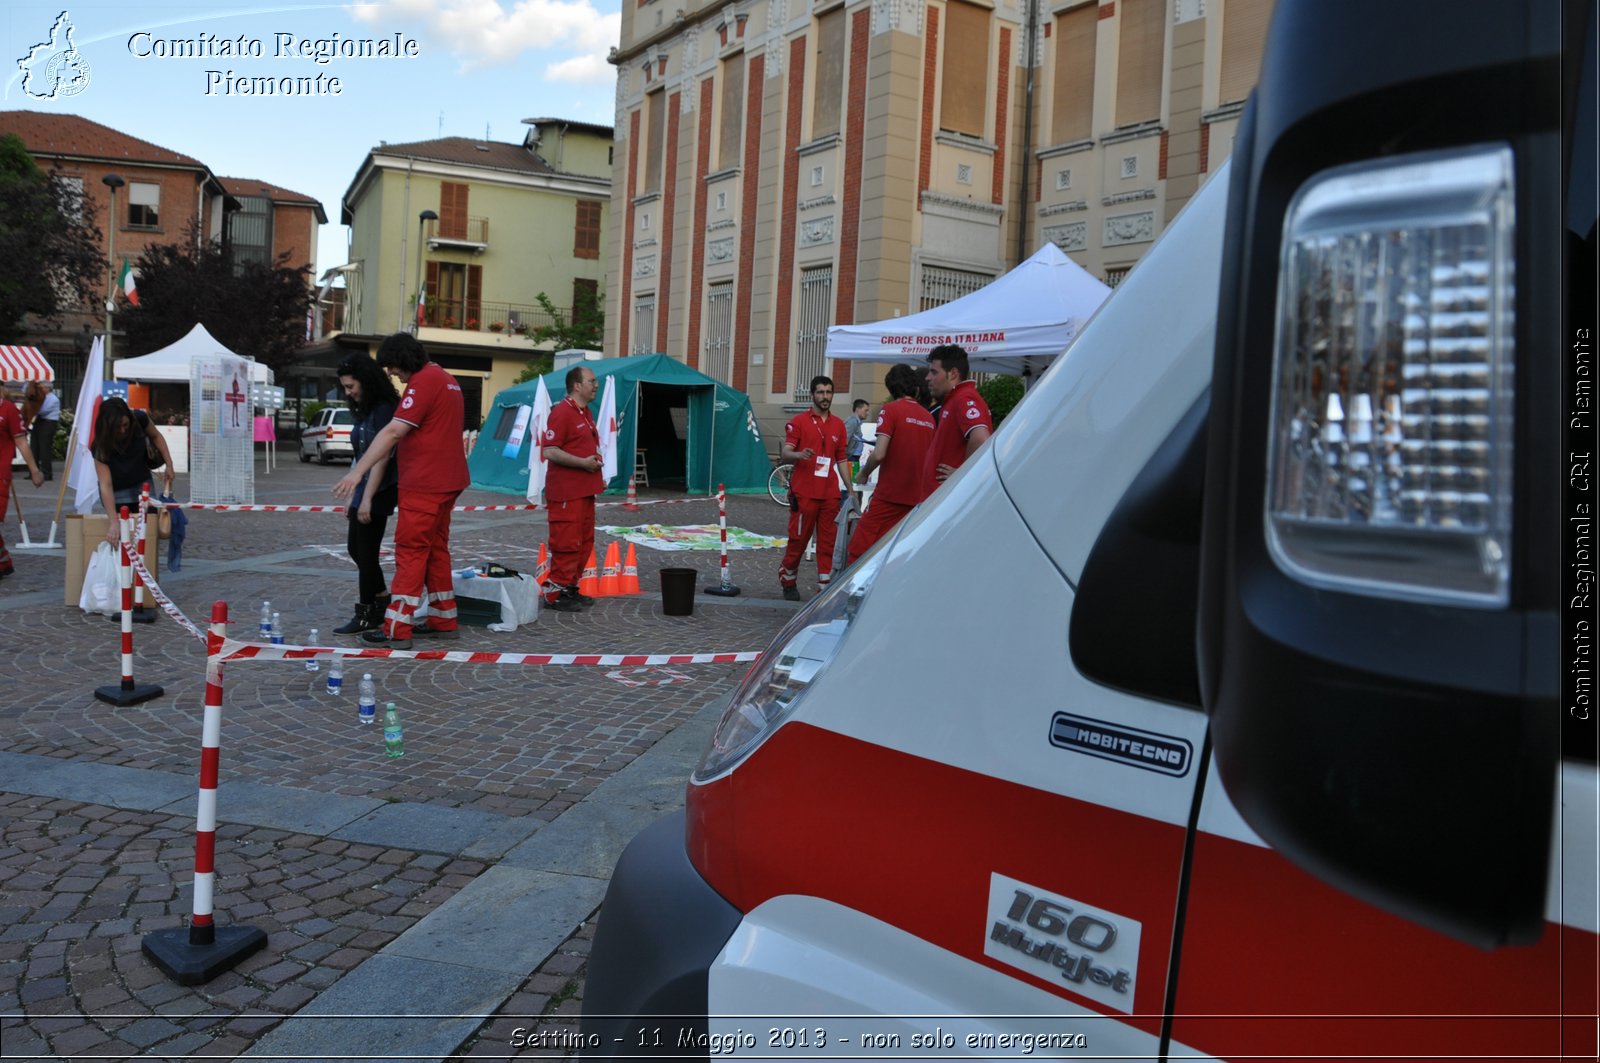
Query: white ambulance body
pixel 971 802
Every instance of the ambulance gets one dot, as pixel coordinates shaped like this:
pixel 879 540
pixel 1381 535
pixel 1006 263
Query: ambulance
pixel 1214 708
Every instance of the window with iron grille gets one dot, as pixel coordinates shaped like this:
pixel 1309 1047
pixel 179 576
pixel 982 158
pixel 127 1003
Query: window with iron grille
pixel 941 285
pixel 644 325
pixel 811 337
pixel 718 361
pixel 1114 276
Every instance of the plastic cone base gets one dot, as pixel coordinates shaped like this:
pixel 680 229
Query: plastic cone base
pixel 724 591
pixel 116 695
pixel 142 614
pixel 189 964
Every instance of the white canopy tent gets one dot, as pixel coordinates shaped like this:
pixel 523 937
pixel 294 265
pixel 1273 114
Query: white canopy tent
pixel 171 363
pixel 1014 325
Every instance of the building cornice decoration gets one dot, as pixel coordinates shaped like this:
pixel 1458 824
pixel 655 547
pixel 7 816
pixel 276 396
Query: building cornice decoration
pixel 961 205
pixel 1129 228
pixel 1064 208
pixel 1072 148
pixel 1223 113
pixel 1128 197
pixel 647 242
pixel 1073 236
pixel 1138 132
pixel 725 223
pixel 777 15
pixel 816 231
pixel 819 201
pixel 720 250
pixel 721 175
pixel 902 15
pixel 645 266
pixel 955 140
pixel 1187 11
pixel 826 143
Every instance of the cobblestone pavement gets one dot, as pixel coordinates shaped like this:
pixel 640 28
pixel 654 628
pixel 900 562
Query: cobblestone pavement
pixel 81 882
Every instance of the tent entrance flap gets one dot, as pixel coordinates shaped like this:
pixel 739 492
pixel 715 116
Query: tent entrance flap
pixel 675 442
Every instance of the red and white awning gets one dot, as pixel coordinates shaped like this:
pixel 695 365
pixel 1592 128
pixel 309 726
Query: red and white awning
pixel 24 363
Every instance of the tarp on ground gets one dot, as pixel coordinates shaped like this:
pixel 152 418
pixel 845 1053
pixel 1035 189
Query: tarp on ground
pixel 1017 322
pixel 693 430
pixel 171 363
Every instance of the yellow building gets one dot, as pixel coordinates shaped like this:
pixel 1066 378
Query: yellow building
pixel 481 228
pixel 785 166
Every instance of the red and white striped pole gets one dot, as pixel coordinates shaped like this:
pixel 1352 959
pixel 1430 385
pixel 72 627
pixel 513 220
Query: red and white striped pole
pixel 727 590
pixel 142 614
pixel 203 952
pixel 127 692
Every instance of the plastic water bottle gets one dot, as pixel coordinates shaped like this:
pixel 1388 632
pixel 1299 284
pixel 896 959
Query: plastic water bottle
pixel 312 664
pixel 266 619
pixel 394 738
pixel 367 700
pixel 336 676
pixel 277 630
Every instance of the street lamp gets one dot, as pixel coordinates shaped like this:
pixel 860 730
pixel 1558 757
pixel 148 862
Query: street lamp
pixel 422 220
pixel 113 182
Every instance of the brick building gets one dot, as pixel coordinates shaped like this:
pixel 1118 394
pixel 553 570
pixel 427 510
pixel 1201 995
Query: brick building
pixel 790 165
pixel 270 222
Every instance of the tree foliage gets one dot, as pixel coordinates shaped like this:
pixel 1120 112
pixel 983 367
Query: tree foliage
pixel 1001 393
pixel 254 310
pixel 51 255
pixel 585 330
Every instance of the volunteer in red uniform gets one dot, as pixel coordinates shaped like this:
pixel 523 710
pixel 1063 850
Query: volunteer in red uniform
pixel 12 440
pixel 905 428
pixel 425 436
pixel 815 442
pixel 572 447
pixel 964 421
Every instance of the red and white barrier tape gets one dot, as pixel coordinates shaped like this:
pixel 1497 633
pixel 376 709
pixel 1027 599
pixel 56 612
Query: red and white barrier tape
pixel 234 650
pixel 167 605
pixel 520 508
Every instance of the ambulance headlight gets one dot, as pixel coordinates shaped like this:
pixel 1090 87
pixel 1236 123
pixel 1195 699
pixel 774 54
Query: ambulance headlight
pixel 777 681
pixel 1391 429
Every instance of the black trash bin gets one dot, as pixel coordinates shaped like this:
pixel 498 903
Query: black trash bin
pixel 677 591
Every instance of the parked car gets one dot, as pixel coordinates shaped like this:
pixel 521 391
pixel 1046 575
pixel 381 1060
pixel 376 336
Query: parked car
pixel 329 436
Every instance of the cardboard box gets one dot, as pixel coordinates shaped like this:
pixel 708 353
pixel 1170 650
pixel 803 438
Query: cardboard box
pixel 83 534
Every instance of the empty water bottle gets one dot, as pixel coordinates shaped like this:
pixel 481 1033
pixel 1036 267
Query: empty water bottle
pixel 312 664
pixel 266 619
pixel 367 700
pixel 336 676
pixel 277 630
pixel 394 739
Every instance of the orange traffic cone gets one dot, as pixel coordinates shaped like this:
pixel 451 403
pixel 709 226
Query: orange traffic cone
pixel 589 582
pixel 632 504
pixel 541 570
pixel 611 574
pixel 630 574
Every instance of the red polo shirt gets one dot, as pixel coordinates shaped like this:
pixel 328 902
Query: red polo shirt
pixel 432 459
pixel 963 410
pixel 573 430
pixel 909 427
pixel 826 439
pixel 10 428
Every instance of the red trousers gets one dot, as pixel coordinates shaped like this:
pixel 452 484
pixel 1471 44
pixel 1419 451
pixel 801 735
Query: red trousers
pixel 571 542
pixel 879 520
pixel 422 560
pixel 5 503
pixel 809 515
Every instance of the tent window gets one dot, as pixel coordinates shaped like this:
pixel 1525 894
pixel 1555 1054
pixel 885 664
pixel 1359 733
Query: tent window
pixel 507 421
pixel 644 325
pixel 941 285
pixel 719 332
pixel 811 338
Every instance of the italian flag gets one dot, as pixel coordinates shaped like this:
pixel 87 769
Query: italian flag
pixel 127 283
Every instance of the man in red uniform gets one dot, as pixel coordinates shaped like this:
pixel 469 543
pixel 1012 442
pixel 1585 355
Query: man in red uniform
pixel 964 421
pixel 12 440
pixel 572 447
pixel 426 437
pixel 815 442
pixel 905 428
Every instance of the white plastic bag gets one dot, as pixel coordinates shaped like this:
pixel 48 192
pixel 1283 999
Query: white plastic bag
pixel 102 583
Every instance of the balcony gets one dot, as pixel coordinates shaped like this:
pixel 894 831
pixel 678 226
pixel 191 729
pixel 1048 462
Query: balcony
pixel 473 236
pixel 507 319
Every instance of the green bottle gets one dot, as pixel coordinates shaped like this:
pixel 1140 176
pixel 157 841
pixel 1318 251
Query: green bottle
pixel 394 739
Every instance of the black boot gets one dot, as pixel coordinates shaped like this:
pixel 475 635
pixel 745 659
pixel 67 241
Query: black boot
pixel 368 617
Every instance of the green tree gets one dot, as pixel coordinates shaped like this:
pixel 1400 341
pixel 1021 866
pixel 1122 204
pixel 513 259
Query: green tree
pixel 254 309
pixel 584 330
pixel 1001 393
pixel 52 256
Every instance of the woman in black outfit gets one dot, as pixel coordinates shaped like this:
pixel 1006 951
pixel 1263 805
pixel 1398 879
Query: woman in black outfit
pixel 120 460
pixel 373 398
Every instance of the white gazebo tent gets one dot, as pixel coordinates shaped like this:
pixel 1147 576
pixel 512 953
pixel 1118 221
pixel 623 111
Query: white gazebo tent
pixel 171 363
pixel 1015 324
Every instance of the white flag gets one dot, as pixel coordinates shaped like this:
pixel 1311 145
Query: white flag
pixel 85 481
pixel 537 465
pixel 608 430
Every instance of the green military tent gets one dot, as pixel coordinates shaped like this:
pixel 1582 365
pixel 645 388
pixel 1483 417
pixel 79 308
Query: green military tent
pixel 689 429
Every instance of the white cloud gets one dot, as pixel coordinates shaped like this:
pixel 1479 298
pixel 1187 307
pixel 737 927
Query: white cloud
pixel 486 33
pixel 582 70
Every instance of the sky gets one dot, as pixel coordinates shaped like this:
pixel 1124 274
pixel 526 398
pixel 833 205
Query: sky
pixel 476 67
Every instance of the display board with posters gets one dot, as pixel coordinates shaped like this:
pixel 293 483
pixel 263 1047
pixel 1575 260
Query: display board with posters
pixel 221 431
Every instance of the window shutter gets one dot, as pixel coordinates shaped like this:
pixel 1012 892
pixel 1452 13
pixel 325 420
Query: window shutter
pixel 586 233
pixel 655 136
pixel 475 293
pixel 453 211
pixel 1072 105
pixel 965 95
pixel 1244 36
pixel 1144 30
pixel 432 294
pixel 728 140
pixel 829 88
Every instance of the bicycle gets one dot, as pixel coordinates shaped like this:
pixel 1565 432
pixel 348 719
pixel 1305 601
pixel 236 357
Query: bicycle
pixel 778 483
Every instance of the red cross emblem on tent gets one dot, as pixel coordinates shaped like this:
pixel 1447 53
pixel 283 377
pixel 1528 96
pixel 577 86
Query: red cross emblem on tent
pixel 235 398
